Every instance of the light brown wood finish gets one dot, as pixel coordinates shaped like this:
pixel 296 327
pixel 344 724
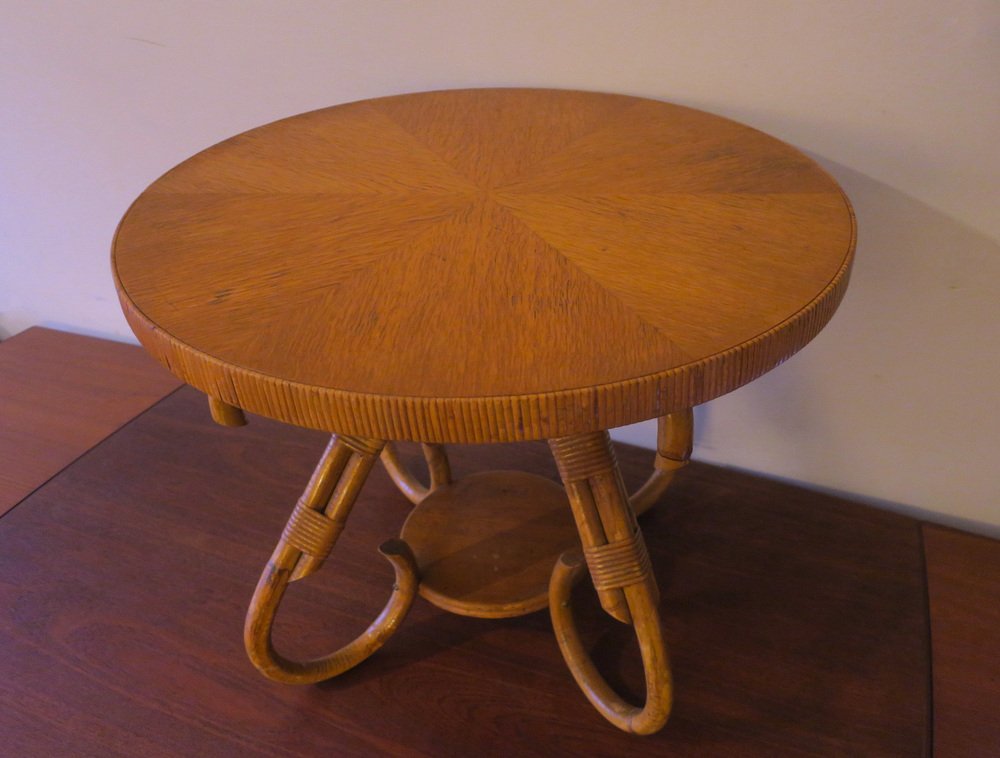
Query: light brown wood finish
pixel 61 394
pixel 225 414
pixel 674 443
pixel 313 529
pixel 484 265
pixel 485 545
pixel 438 469
pixel 619 566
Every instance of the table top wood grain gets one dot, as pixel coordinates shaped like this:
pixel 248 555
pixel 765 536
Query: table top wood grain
pixel 484 265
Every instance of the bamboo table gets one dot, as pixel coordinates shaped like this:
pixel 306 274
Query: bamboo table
pixel 484 266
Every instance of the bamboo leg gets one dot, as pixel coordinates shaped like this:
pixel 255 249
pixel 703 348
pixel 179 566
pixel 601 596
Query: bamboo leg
pixel 309 536
pixel 619 566
pixel 674 440
pixel 225 414
pixel 408 484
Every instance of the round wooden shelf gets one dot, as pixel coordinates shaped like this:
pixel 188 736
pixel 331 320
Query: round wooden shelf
pixel 486 544
pixel 484 265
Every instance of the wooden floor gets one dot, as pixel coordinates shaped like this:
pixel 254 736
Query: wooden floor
pixel 798 623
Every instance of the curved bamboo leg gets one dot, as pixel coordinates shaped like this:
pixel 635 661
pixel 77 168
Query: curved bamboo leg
pixel 408 484
pixel 619 566
pixel 309 536
pixel 674 440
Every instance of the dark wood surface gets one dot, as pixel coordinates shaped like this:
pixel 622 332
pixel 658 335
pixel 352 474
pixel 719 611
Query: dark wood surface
pixel 797 622
pixel 61 394
pixel 963 584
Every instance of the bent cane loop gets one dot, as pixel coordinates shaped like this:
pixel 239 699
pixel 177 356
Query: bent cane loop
pixel 674 440
pixel 311 532
pixel 615 553
pixel 408 484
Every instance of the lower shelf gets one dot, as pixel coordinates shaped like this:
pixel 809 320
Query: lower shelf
pixel 486 544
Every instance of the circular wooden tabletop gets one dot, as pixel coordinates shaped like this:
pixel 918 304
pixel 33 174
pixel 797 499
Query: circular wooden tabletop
pixel 484 265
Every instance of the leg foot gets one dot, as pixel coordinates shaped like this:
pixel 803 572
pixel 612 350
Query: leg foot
pixel 615 553
pixel 309 536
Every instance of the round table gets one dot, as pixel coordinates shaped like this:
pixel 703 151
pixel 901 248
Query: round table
pixel 485 265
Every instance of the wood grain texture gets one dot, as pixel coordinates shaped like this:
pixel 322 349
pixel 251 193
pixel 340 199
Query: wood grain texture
pixel 484 265
pixel 795 621
pixel 486 544
pixel 61 394
pixel 963 583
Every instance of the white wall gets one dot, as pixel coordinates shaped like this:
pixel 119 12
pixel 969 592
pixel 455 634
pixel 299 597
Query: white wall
pixel 897 401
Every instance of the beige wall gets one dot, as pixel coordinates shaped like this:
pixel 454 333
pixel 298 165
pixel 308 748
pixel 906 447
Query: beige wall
pixel 897 401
